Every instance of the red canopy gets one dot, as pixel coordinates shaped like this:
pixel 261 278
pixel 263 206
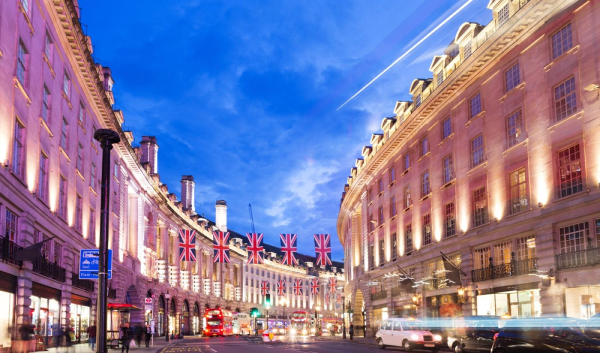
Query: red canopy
pixel 122 307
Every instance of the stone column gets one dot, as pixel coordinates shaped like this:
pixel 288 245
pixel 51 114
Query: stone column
pixel 24 282
pixel 552 296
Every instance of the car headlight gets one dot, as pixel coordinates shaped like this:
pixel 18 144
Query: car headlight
pixel 293 331
pixel 437 338
pixel 414 337
pixel 304 332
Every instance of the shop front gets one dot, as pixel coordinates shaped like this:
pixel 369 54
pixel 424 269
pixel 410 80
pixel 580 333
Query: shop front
pixel 45 312
pixel 80 317
pixel 583 301
pixel 445 305
pixel 380 313
pixel 196 319
pixel 8 288
pixel 160 321
pixel 118 315
pixel 173 318
pixel 520 301
pixel 184 318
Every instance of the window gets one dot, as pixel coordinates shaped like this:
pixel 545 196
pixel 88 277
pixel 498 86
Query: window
pixel 11 225
pixel 565 99
pixel 476 151
pixel 380 185
pixel 62 197
pixel 18 146
pixel 482 258
pixel 425 187
pixel 502 253
pixel 392 174
pixel 371 223
pixel 562 41
pixel 503 15
pixel 92 229
pixel 25 4
pixel 64 136
pixel 572 238
pixel 407 201
pixel 57 253
pixel 569 171
pixel 512 78
pixel 116 170
pixel 427 229
pixel 448 169
pixel 418 100
pixel 479 207
pixel 66 85
pixel 43 178
pixel 440 78
pixel 93 175
pixel 372 256
pixel 380 216
pixel 80 158
pixel 475 106
pixel 48 46
pixel 446 128
pixel 394 246
pixel 381 251
pixel 21 63
pixel 514 128
pixel 406 162
pixel 518 191
pixel 424 146
pixel 370 195
pixel 525 248
pixel 467 51
pixel 79 213
pixel 46 104
pixel 81 114
pixel 408 239
pixel 393 210
pixel 450 219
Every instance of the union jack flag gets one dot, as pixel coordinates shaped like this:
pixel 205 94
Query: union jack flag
pixel 264 289
pixel 281 287
pixel 288 247
pixel 255 249
pixel 323 249
pixel 314 286
pixel 298 287
pixel 338 299
pixel 220 247
pixel 187 245
pixel 332 284
pixel 327 297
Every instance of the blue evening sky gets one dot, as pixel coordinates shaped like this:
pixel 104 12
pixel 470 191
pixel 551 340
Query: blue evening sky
pixel 243 94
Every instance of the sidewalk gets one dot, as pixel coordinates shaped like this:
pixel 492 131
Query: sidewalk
pixel 356 340
pixel 159 344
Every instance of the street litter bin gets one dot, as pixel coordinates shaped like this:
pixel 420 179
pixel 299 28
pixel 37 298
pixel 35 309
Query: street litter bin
pixel 268 336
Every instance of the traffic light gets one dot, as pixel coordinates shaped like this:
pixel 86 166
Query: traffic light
pixel 254 312
pixel 267 299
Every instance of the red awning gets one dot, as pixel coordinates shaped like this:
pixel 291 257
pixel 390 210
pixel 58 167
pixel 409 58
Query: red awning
pixel 122 307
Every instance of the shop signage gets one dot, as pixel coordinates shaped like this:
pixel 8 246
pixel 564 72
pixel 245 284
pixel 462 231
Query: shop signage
pixel 89 263
pixel 148 300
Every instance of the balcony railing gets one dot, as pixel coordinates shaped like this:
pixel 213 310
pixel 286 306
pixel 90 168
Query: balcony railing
pixel 8 249
pixel 379 295
pixel 49 269
pixel 586 257
pixel 84 284
pixel 511 269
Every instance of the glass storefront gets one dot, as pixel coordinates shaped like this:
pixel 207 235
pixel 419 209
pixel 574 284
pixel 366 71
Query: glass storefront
pixel 45 315
pixel 79 321
pixel 443 306
pixel 405 311
pixel 7 315
pixel 379 314
pixel 160 320
pixel 196 320
pixel 582 302
pixel 510 303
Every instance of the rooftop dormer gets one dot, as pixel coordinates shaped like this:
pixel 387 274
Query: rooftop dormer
pixel 438 64
pixel 416 90
pixel 501 10
pixel 465 38
pixel 366 151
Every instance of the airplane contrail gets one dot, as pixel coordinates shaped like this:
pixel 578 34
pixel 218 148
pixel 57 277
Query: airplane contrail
pixel 407 52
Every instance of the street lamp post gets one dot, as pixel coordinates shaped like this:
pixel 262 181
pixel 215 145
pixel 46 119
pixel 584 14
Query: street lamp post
pixel 107 138
pixel 268 307
pixel 167 297
pixel 317 308
pixel 343 317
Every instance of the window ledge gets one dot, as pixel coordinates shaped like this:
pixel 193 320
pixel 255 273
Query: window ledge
pixel 474 169
pixel 516 214
pixel 393 217
pixel 381 225
pixel 94 146
pixel 487 223
pixel 370 203
pixel 26 18
pixel 93 191
pixel 448 184
pixel 64 153
pixel 19 179
pixel 573 50
pixel 450 137
pixel 380 193
pixel 449 236
pixel 79 173
pixel 575 116
pixel 80 123
pixel 518 87
pixel 46 127
pixel 407 209
pixel 67 99
pixel 577 194
pixel 406 171
pixel 425 197
pixel 481 113
pixel 515 146
pixel 424 156
pixel 22 90
pixel 392 184
pixel 47 60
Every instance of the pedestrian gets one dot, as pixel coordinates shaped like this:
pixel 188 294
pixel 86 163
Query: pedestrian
pixel 148 335
pixel 126 337
pixel 57 336
pixel 92 336
pixel 351 331
pixel 138 331
pixel 68 339
pixel 24 333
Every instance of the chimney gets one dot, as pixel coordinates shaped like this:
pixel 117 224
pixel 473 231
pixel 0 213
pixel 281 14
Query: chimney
pixel 149 149
pixel 108 80
pixel 187 192
pixel 221 215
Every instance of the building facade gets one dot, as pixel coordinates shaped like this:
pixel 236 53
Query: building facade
pixel 53 96
pixel 494 163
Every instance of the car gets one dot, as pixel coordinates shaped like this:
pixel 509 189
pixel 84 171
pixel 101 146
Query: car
pixel 547 335
pixel 408 334
pixel 473 333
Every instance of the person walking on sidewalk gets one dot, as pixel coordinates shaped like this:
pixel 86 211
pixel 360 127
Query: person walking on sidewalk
pixel 92 335
pixel 351 331
pixel 148 334
pixel 126 337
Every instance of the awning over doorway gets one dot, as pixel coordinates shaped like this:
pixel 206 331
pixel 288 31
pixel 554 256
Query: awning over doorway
pixel 122 307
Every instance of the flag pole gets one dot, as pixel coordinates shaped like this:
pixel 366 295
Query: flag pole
pixel 452 263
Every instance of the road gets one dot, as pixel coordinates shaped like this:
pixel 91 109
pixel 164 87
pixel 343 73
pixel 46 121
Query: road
pixel 255 345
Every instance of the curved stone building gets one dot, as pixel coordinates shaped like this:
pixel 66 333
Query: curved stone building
pixel 494 163
pixel 53 96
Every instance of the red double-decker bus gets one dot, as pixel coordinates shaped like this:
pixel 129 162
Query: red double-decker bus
pixel 219 322
pixel 302 323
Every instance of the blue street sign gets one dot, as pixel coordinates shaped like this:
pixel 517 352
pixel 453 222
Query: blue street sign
pixel 89 263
